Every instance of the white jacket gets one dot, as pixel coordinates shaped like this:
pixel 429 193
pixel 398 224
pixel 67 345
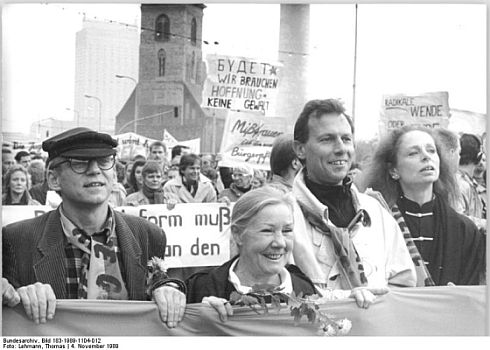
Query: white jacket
pixel 381 246
pixel 205 191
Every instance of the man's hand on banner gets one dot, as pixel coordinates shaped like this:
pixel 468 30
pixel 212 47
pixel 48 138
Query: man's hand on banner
pixel 171 305
pixel 10 297
pixel 225 200
pixel 365 296
pixel 39 301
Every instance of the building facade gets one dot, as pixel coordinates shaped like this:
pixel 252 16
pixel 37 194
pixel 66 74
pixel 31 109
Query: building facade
pixel 104 50
pixel 171 74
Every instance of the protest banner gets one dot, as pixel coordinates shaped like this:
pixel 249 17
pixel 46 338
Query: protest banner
pixel 243 84
pixel 197 233
pixel 428 109
pixel 432 311
pixel 131 144
pixel 248 138
pixel 14 213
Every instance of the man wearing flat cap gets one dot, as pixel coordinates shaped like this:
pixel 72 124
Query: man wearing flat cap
pixel 84 249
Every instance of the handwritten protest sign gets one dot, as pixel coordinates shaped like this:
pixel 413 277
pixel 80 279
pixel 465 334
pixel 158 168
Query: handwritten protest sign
pixel 428 109
pixel 248 139
pixel 131 144
pixel 197 233
pixel 239 83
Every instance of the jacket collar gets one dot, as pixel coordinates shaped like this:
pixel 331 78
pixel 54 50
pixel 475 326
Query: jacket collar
pixel 308 199
pixel 50 266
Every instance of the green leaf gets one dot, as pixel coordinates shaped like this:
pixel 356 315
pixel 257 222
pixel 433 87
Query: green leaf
pixel 276 303
pixel 311 314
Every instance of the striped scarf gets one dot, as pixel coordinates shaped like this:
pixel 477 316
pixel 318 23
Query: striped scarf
pixel 100 274
pixel 350 262
pixel 423 275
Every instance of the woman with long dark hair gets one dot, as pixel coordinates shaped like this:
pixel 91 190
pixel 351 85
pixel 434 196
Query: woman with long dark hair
pixel 416 182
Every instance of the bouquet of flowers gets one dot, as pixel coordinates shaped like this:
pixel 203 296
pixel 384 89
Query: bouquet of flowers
pixel 299 306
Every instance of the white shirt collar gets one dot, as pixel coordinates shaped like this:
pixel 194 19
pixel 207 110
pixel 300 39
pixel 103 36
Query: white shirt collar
pixel 286 285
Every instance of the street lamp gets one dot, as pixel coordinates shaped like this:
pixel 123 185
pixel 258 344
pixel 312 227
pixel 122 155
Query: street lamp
pixel 77 114
pixel 100 107
pixel 120 76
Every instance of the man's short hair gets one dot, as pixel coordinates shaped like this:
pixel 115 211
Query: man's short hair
pixel 471 152
pixel 316 109
pixel 158 144
pixel 21 154
pixel 36 169
pixel 282 154
pixel 177 150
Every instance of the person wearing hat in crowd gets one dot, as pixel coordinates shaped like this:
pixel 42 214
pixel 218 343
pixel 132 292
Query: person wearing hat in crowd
pixel 57 255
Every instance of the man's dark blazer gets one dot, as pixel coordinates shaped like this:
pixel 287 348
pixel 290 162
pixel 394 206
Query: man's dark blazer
pixel 34 251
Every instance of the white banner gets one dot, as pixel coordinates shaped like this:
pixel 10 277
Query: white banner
pixel 131 144
pixel 428 109
pixel 248 138
pixel 14 213
pixel 243 84
pixel 197 233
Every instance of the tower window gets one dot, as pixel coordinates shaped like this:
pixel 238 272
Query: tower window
pixel 193 31
pixel 162 55
pixel 162 28
pixel 193 66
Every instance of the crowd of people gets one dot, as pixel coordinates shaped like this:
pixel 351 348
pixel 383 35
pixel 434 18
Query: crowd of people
pixel 317 223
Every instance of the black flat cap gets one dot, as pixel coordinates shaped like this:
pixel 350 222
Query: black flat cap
pixel 80 143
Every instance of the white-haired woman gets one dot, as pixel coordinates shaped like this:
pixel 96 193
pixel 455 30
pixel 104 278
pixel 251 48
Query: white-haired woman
pixel 242 177
pixel 262 226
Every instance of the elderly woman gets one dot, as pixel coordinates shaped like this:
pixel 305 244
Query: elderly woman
pixel 189 186
pixel 16 187
pixel 414 179
pixel 262 227
pixel 151 191
pixel 242 183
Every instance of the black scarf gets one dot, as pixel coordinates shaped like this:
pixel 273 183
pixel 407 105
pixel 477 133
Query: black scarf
pixel 190 186
pixel 338 199
pixel 154 196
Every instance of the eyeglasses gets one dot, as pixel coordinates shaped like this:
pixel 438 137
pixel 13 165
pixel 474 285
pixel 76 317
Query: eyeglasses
pixel 237 176
pixel 80 166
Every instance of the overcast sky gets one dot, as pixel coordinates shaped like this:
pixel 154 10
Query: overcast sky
pixel 401 49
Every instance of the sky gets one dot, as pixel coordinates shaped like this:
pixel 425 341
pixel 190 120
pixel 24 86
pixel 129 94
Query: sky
pixel 410 49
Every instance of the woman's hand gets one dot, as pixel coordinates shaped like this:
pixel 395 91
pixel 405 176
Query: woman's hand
pixel 171 202
pixel 365 296
pixel 221 305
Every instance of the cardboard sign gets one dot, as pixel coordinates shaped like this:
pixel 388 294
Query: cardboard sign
pixel 243 84
pixel 248 139
pixel 428 109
